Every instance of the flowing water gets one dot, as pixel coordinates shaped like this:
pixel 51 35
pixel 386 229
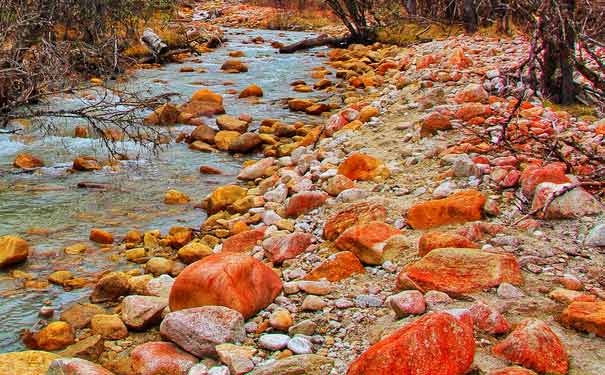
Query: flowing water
pixel 47 209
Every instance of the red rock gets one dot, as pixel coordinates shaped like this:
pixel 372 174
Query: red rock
pixel 458 271
pixel 234 280
pixel 100 236
pixel 363 167
pixel 512 371
pixel 337 267
pixel 27 161
pixel 207 169
pixel 288 246
pixel 472 93
pixel 437 343
pixel 471 110
pixel 534 176
pixel 505 177
pixel 585 316
pixel 438 240
pixel 243 242
pixel 534 345
pixel 160 358
pixel 353 214
pixel 305 201
pixel 489 320
pixel 425 61
pixel 457 208
pixel 568 296
pixel 75 366
pixel 367 241
pixel 434 122
pixel 335 123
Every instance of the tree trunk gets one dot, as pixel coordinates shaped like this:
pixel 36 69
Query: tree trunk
pixel 154 43
pixel 411 6
pixel 469 16
pixel 316 42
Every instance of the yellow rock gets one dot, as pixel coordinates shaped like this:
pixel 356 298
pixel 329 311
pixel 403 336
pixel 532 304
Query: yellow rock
pixel 224 196
pixel 367 113
pixel 30 362
pixel 175 197
pixel 13 250
pixel 194 251
pixel 224 138
pixel 135 253
pixel 60 277
pixel 76 249
pixel 96 82
pixel 55 336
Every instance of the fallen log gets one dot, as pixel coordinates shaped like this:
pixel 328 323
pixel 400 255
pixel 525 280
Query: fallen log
pixel 320 41
pixel 154 42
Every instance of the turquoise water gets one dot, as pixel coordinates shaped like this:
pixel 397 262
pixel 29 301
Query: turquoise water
pixel 49 198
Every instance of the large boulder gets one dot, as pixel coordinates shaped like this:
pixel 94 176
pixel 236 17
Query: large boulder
pixel 353 214
pixel 533 176
pixel 438 343
pixel 199 330
pixel 363 167
pixel 535 346
pixel 585 316
pixel 337 267
pixel 439 240
pixel 202 133
pixel 456 271
pixel 75 366
pixel 234 280
pixel 455 209
pixel 367 241
pixel 30 362
pixel 571 204
pixel 160 358
pixel 13 250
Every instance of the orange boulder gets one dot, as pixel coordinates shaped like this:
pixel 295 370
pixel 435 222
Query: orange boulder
pixel 437 343
pixel 252 90
pixel 457 208
pixel 233 280
pixel 363 167
pixel 456 271
pixel 585 316
pixel 534 345
pixel 356 213
pixel 337 267
pixel 367 241
pixel 471 110
pixel 438 240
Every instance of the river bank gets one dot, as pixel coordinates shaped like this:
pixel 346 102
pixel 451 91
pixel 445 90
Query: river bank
pixel 389 235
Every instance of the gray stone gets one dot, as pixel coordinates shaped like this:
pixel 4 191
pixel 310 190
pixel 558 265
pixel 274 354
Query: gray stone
pixel 201 329
pixel 300 345
pixel 273 341
pixel 596 236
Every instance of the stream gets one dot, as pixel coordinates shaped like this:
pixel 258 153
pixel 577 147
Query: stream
pixel 46 208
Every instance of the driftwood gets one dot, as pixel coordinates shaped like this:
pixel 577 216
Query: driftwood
pixel 154 42
pixel 317 42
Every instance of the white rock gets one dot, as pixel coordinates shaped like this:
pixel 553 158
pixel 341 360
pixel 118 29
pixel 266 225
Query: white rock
pixel 508 291
pixel 273 341
pixel 300 345
pixel 596 236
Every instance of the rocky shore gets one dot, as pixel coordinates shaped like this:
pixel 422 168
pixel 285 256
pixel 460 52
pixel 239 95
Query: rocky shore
pixel 392 236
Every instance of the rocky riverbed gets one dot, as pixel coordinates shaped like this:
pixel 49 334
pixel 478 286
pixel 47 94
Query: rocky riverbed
pixel 385 232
